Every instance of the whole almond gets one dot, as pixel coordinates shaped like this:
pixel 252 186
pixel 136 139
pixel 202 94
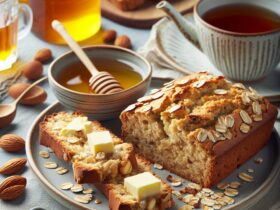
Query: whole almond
pixel 32 70
pixel 109 36
pixel 11 181
pixel 12 143
pixel 43 55
pixel 12 192
pixel 13 166
pixel 36 95
pixel 123 41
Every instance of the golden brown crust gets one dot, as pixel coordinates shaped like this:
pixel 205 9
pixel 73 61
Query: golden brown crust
pixel 84 172
pixel 48 141
pixel 182 116
pixel 120 202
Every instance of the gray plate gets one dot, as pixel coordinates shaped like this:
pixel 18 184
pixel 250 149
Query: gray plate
pixel 265 174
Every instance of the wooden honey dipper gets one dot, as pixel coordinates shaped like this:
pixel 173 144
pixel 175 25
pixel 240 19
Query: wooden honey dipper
pixel 101 82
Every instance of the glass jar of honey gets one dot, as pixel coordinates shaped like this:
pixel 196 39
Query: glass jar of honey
pixel 82 18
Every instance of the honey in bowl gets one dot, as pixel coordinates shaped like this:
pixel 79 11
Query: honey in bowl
pixel 76 76
pixel 243 18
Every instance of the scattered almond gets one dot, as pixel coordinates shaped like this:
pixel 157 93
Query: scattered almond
pixel 109 36
pixel 44 154
pixel 259 160
pixel 176 183
pixel 12 143
pixel 36 95
pixel 126 168
pixel 88 191
pixel 32 70
pixel 246 177
pixel 61 170
pixel 158 166
pixel 77 188
pixel 123 41
pixel 50 165
pixel 12 180
pixel 82 199
pixel 250 170
pixel 43 55
pixel 12 187
pixel 231 192
pixel 66 186
pixel 97 201
pixel 235 184
pixel 12 192
pixel 13 166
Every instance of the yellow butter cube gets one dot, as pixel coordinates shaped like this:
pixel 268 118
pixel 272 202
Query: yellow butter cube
pixel 142 185
pixel 101 141
pixel 77 124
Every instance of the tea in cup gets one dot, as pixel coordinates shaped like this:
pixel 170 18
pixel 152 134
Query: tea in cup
pixel 240 37
pixel 9 33
pixel 82 18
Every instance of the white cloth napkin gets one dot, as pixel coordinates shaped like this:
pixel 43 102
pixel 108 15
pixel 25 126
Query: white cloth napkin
pixel 161 68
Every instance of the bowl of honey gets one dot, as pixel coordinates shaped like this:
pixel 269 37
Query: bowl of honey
pixel 69 80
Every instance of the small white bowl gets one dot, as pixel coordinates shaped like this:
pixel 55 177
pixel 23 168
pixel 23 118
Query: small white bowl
pixel 100 106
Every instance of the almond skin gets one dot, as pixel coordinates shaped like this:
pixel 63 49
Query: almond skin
pixel 32 70
pixel 11 181
pixel 12 143
pixel 36 95
pixel 12 192
pixel 123 41
pixel 13 166
pixel 43 55
pixel 109 36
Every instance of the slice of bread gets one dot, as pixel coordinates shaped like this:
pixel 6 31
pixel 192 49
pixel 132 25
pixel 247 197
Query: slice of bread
pixel 119 199
pixel 74 148
pixel 108 174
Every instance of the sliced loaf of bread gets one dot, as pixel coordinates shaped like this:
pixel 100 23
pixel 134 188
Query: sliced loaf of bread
pixel 73 147
pixel 120 199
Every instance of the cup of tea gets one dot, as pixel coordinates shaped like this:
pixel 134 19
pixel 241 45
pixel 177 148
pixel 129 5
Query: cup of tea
pixel 10 33
pixel 240 37
pixel 81 18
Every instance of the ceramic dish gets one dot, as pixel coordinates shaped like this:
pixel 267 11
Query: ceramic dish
pixel 144 16
pixel 185 57
pixel 265 174
pixel 100 105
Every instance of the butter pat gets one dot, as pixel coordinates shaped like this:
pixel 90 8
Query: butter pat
pixel 101 141
pixel 142 185
pixel 77 124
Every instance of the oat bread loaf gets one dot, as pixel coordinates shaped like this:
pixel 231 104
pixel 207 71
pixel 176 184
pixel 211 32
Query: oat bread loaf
pixel 201 127
pixel 73 147
pixel 119 199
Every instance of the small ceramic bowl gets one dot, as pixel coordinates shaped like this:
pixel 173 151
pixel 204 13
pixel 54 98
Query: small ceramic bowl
pixel 97 106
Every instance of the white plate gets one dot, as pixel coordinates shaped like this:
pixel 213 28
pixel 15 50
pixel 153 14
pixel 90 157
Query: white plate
pixel 185 57
pixel 265 174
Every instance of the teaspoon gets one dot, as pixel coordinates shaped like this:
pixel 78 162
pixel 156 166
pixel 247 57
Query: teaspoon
pixel 8 111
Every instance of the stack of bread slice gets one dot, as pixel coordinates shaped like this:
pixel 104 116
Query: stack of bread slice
pixel 67 135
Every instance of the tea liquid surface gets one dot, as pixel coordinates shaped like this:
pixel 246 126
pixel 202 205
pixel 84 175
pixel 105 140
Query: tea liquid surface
pixel 243 18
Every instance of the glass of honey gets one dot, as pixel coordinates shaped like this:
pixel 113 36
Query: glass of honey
pixel 82 18
pixel 10 33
